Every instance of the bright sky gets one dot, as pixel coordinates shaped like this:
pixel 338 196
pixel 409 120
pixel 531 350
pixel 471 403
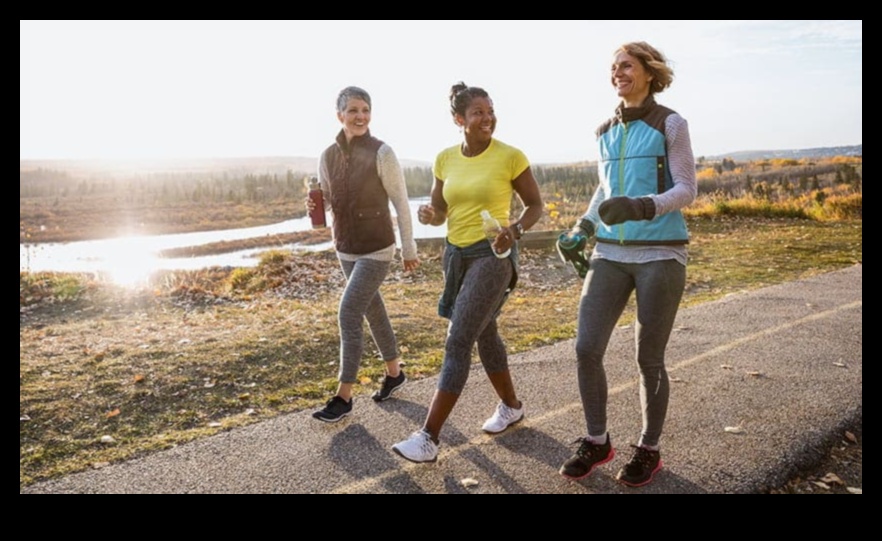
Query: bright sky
pixel 189 89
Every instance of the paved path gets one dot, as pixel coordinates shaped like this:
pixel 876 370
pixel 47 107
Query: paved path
pixel 785 364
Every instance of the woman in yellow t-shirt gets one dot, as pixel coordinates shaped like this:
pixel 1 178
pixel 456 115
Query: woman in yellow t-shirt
pixel 481 173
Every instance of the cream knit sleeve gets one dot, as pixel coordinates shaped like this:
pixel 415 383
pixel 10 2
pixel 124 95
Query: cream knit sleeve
pixel 393 181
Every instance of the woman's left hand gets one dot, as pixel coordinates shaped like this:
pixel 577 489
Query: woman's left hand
pixel 411 264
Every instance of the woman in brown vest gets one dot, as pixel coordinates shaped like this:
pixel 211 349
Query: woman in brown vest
pixel 359 176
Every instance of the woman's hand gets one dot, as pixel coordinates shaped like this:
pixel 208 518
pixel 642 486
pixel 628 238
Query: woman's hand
pixel 310 204
pixel 425 214
pixel 411 264
pixel 504 240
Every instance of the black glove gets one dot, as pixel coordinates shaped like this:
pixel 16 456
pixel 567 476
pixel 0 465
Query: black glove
pixel 584 227
pixel 622 209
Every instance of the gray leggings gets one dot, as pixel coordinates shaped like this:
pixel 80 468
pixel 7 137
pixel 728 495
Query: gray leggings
pixel 484 285
pixel 659 286
pixel 362 300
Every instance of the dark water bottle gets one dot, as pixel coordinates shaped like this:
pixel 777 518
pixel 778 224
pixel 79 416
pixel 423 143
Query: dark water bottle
pixel 571 248
pixel 317 214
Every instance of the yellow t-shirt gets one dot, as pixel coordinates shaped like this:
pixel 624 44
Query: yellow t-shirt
pixel 472 184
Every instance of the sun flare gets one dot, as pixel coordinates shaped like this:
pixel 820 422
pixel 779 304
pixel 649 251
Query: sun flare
pixel 131 263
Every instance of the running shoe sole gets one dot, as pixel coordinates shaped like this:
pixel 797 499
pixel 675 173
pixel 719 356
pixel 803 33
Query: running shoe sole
pixel 329 420
pixel 388 396
pixel 612 455
pixel 644 483
pixel 399 453
pixel 509 425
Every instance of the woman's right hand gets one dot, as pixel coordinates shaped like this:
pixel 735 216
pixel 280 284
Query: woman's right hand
pixel 425 214
pixel 310 204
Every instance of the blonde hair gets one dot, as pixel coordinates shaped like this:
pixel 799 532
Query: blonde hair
pixel 653 61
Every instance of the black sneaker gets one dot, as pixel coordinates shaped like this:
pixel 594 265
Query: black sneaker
pixel 587 457
pixel 642 467
pixel 390 385
pixel 335 409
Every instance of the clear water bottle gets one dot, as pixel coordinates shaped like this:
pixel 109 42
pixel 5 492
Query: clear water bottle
pixel 491 230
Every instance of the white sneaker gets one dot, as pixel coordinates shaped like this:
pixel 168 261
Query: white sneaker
pixel 503 418
pixel 419 447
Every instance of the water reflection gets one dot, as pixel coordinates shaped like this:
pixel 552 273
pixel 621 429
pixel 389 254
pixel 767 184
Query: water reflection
pixel 125 257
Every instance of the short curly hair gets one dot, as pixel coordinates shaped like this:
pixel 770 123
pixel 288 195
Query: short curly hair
pixel 653 61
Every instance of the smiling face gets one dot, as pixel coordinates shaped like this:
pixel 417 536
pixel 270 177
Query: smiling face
pixel 355 117
pixel 479 121
pixel 630 79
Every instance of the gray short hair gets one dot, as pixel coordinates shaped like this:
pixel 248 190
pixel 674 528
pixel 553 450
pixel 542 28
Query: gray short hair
pixel 349 93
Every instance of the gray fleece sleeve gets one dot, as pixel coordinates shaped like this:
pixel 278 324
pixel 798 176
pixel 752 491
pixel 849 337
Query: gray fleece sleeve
pixel 323 175
pixel 599 196
pixel 682 164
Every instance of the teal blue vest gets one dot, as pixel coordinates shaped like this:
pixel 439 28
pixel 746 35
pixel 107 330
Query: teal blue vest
pixel 634 162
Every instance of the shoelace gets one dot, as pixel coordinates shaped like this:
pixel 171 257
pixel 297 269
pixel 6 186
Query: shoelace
pixel 643 457
pixel 587 449
pixel 337 406
pixel 506 413
pixel 426 443
pixel 389 382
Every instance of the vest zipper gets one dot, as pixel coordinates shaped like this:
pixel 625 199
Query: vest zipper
pixel 622 147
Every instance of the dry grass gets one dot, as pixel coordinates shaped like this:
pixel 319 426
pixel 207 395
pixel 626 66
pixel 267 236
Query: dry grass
pixel 108 374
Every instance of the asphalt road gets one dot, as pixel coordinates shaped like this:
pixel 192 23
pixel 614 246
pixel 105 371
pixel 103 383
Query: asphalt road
pixel 760 382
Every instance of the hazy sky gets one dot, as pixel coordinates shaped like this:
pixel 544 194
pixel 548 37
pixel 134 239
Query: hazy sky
pixel 132 89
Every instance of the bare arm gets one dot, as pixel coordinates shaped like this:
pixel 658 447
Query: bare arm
pixel 435 213
pixel 528 191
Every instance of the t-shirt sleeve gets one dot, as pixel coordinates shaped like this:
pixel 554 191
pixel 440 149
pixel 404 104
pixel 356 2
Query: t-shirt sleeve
pixel 438 166
pixel 519 163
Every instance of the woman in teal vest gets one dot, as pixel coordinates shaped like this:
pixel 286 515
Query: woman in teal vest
pixel 647 174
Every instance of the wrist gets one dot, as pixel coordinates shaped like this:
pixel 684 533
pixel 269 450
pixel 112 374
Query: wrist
pixel 517 230
pixel 648 207
pixel 586 227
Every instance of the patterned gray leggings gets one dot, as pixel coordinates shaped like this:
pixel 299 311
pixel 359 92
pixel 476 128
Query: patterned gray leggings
pixel 362 300
pixel 659 286
pixel 483 290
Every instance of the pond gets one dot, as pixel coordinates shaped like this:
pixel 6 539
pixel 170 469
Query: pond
pixel 138 255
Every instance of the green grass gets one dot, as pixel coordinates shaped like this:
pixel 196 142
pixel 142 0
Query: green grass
pixel 108 374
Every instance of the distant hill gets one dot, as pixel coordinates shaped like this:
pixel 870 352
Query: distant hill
pixel 823 152
pixel 246 165
pixel 257 165
pixel 280 165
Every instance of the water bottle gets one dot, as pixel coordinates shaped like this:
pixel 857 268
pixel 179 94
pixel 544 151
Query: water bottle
pixel 571 248
pixel 317 214
pixel 491 230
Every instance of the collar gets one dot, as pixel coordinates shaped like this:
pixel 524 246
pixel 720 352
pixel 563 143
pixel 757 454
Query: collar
pixel 627 114
pixel 341 140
